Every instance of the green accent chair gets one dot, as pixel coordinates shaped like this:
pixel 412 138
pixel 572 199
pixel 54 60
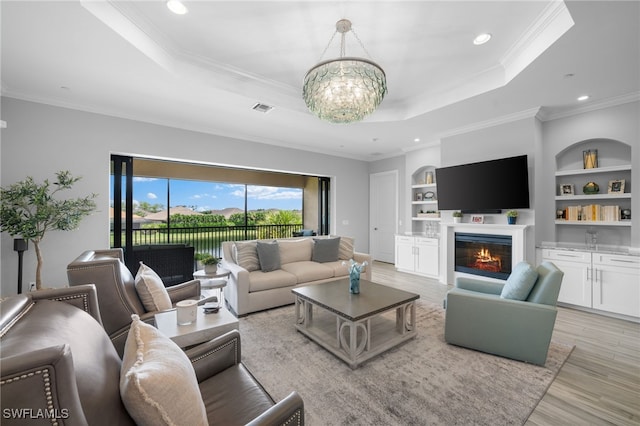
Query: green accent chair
pixel 478 318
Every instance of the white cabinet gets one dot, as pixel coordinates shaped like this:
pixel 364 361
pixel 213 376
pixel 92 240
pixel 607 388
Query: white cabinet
pixel 419 255
pixel 616 284
pixel 607 282
pixel 576 284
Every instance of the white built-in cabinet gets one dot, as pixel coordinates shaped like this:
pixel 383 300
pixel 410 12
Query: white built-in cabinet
pixel 604 281
pixel 418 255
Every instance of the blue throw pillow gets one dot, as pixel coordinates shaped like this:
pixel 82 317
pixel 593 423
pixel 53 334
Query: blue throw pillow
pixel 519 284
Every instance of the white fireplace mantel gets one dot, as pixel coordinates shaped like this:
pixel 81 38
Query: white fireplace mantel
pixel 522 244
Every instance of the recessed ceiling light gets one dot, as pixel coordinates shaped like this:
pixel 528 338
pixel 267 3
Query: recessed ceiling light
pixel 481 39
pixel 583 97
pixel 177 7
pixel 416 140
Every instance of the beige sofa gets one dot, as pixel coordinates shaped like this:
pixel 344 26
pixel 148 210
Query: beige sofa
pixel 250 289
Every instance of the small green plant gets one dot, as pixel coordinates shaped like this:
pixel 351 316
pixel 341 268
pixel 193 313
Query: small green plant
pixel 457 214
pixel 211 260
pixel 512 213
pixel 199 257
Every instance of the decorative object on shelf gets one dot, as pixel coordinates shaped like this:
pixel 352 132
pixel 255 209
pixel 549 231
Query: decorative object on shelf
pixel 347 89
pixel 591 188
pixel 512 217
pixel 30 209
pixel 429 213
pixel 566 189
pixel 429 196
pixel 457 216
pixel 625 214
pixel 616 186
pixel 477 218
pixel 211 264
pixel 591 239
pixel 559 214
pixel 429 178
pixel 419 196
pixel 590 158
pixel 355 269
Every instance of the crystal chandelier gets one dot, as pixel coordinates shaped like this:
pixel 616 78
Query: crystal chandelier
pixel 347 89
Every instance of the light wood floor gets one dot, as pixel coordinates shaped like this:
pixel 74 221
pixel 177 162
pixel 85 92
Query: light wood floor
pixel 600 382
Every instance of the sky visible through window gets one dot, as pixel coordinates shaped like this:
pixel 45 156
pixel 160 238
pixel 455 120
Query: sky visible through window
pixel 205 196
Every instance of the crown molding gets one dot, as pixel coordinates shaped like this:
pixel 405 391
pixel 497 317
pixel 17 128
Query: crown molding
pixel 509 118
pixel 593 106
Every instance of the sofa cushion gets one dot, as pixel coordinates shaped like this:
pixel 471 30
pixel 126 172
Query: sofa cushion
pixel 259 281
pixel 151 290
pixel 346 248
pixel 245 254
pixel 307 271
pixel 268 255
pixel 295 250
pixel 340 268
pixel 157 383
pixel 325 249
pixel 519 284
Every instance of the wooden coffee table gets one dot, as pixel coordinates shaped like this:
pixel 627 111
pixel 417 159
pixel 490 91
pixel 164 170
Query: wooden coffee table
pixel 355 328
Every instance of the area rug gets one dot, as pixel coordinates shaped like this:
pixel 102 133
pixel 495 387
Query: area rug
pixel 424 381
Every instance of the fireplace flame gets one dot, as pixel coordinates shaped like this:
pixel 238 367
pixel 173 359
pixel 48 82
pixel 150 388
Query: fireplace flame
pixel 486 261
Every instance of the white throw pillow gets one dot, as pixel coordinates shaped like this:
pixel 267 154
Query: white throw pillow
pixel 151 290
pixel 158 385
pixel 245 253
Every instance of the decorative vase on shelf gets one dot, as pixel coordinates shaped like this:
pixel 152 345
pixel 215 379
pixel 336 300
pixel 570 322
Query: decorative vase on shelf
pixel 511 220
pixel 591 188
pixel 355 269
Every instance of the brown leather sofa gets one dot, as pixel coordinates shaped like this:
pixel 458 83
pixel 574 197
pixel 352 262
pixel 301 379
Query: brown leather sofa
pixel 117 295
pixel 57 361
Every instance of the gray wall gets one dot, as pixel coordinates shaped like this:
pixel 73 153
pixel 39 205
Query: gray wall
pixel 40 140
pixel 541 141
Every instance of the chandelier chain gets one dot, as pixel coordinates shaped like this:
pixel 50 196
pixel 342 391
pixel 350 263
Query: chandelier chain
pixel 361 44
pixel 328 44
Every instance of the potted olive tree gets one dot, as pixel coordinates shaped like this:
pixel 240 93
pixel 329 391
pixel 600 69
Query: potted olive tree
pixel 29 209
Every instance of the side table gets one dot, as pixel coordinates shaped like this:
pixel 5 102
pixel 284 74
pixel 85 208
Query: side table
pixel 203 329
pixel 216 281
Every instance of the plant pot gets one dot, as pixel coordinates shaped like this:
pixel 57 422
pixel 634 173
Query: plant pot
pixel 511 220
pixel 457 219
pixel 210 269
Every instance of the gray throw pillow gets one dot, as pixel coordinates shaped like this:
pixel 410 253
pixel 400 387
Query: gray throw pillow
pixel 325 249
pixel 269 256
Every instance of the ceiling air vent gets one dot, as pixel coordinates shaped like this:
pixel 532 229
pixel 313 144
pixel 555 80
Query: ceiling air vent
pixel 262 107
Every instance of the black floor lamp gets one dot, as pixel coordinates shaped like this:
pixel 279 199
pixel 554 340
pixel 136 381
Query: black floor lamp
pixel 20 245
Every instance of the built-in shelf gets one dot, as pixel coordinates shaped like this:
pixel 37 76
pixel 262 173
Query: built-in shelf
pixel 574 172
pixel 593 197
pixel 432 202
pixel 433 219
pixel 593 222
pixel 424 185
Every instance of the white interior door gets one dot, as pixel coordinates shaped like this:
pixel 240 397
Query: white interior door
pixel 383 215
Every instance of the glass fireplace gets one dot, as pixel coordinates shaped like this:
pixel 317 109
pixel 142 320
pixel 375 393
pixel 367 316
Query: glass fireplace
pixel 483 254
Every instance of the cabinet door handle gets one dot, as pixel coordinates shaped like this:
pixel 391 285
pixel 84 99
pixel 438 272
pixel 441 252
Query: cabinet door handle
pixel 567 255
pixel 588 277
pixel 595 276
pixel 622 261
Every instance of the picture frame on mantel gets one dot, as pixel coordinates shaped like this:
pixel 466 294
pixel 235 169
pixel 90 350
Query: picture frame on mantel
pixel 566 189
pixel 477 218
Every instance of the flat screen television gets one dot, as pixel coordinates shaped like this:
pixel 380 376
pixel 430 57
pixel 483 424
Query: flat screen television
pixel 484 187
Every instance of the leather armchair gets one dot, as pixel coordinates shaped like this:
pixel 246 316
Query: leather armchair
pixel 478 318
pixel 117 295
pixel 57 361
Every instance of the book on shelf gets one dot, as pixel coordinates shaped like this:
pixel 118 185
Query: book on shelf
pixel 593 213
